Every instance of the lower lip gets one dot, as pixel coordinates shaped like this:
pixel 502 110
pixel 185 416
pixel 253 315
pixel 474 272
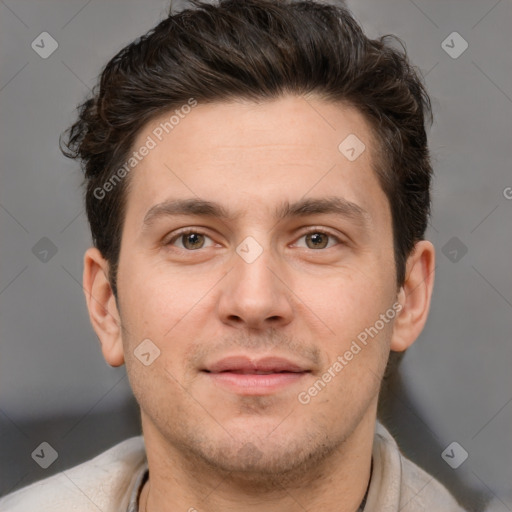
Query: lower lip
pixel 256 384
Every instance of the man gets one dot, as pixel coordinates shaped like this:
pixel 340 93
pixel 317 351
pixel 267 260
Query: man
pixel 257 182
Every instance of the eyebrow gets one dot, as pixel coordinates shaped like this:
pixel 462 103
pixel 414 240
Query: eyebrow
pixel 301 208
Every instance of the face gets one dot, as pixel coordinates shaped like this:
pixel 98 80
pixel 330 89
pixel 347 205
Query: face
pixel 255 255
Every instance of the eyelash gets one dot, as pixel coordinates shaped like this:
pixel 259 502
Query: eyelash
pixel 187 231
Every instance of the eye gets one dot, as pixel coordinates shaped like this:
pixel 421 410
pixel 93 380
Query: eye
pixel 193 239
pixel 318 239
pixel 190 240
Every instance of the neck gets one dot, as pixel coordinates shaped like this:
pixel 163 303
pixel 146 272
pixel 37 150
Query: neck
pixel 336 483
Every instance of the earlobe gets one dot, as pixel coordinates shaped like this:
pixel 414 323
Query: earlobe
pixel 102 306
pixel 414 296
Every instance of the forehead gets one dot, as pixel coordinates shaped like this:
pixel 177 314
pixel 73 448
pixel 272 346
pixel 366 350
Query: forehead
pixel 241 154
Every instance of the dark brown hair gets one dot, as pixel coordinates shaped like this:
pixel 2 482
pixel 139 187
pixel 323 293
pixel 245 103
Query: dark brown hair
pixel 257 50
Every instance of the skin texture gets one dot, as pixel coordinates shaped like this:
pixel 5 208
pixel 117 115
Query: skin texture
pixel 208 446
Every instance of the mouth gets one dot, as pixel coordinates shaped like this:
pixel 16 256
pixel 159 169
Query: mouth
pixel 245 376
pixel 255 372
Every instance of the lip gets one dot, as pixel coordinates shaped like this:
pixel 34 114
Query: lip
pixel 245 364
pixel 246 376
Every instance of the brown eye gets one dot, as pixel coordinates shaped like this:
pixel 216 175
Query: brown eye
pixel 317 240
pixel 192 240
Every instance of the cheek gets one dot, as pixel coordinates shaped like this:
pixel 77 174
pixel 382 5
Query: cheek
pixel 171 310
pixel 152 300
pixel 348 301
pixel 351 310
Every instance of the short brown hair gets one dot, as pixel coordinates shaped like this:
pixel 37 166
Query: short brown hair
pixel 257 49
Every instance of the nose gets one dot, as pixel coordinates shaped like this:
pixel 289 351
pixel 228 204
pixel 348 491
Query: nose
pixel 255 294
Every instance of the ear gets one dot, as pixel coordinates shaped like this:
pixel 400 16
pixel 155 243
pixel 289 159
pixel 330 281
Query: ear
pixel 102 306
pixel 414 296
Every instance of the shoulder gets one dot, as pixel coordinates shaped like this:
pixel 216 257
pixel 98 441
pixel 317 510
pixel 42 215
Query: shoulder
pixel 101 483
pixel 419 491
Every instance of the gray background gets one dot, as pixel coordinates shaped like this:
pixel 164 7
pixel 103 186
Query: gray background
pixel 455 383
